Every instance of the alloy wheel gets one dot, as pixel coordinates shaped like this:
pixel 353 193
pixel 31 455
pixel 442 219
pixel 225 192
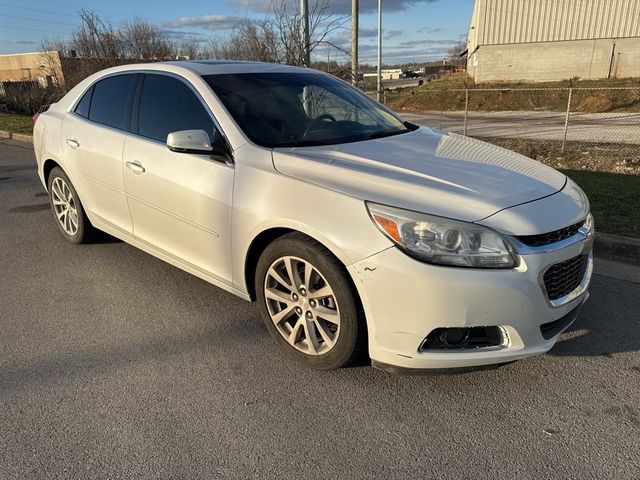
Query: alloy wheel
pixel 302 305
pixel 64 206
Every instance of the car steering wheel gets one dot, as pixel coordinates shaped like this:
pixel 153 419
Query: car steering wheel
pixel 314 123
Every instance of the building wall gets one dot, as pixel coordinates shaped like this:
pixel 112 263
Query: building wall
pixel 545 40
pixel 549 61
pixel 626 58
pixel 30 66
pixel 392 74
pixel 499 22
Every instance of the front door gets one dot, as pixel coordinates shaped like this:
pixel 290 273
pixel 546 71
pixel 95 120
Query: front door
pixel 180 203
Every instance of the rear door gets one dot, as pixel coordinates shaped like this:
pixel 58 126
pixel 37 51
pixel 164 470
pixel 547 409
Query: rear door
pixel 180 203
pixel 93 139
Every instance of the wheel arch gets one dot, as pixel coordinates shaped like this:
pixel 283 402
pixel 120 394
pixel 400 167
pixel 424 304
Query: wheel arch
pixel 269 235
pixel 257 246
pixel 48 165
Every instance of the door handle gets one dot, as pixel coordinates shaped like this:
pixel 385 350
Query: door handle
pixel 73 143
pixel 135 167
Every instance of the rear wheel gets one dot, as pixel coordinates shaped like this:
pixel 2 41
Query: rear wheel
pixel 308 303
pixel 68 212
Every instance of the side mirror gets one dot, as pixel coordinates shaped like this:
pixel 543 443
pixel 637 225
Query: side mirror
pixel 189 141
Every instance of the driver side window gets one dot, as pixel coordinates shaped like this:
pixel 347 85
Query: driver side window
pixel 169 105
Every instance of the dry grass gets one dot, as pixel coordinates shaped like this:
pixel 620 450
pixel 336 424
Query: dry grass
pixel 12 122
pixel 594 157
pixel 429 97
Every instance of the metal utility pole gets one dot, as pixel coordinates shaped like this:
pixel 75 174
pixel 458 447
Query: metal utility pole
pixel 354 42
pixel 304 16
pixel 379 96
pixel 328 57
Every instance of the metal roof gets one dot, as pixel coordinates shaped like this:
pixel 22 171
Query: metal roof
pixel 497 22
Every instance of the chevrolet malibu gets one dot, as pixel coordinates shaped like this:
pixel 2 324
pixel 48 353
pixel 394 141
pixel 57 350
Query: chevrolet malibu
pixel 355 231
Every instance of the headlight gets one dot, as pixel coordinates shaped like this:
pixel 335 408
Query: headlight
pixel 443 241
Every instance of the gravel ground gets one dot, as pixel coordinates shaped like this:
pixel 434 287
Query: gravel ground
pixel 114 364
pixel 604 157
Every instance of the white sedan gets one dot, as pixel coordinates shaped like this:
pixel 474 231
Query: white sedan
pixel 355 231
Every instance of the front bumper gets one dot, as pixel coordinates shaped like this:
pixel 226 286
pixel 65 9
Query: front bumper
pixel 405 299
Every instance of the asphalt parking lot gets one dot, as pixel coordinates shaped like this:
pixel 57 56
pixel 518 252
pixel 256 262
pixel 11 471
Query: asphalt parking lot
pixel 114 364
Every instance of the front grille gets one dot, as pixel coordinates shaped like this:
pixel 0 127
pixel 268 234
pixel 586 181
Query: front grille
pixel 550 237
pixel 563 278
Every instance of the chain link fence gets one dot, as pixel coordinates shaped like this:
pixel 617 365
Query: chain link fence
pixel 587 125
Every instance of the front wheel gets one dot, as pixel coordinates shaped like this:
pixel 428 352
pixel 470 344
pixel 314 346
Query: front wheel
pixel 308 303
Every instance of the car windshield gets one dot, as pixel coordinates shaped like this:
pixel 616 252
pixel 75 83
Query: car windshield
pixel 302 109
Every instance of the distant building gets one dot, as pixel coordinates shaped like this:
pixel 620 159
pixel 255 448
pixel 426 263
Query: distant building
pixel 546 40
pixel 42 67
pixel 392 74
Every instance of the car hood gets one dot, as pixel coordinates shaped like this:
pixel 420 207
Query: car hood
pixel 425 170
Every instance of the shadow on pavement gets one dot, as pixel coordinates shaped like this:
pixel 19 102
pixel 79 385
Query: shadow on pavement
pixel 102 360
pixel 601 329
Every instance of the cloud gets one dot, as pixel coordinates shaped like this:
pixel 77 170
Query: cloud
pixel 209 22
pixel 365 32
pixel 390 34
pixel 21 42
pixel 183 35
pixel 429 30
pixel 335 7
pixel 396 55
pixel 413 43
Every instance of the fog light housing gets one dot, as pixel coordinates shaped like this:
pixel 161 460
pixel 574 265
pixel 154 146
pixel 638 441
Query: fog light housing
pixel 464 338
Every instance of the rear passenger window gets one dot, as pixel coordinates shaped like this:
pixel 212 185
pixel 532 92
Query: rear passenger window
pixel 82 108
pixel 169 105
pixel 111 101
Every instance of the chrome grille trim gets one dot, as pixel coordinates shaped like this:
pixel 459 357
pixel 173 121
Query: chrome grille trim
pixel 583 234
pixel 549 238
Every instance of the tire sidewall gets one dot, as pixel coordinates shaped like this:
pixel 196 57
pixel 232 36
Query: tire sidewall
pixel 336 275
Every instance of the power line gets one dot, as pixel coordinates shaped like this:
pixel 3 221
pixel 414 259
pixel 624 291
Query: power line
pixel 33 29
pixel 38 10
pixel 39 20
pixel 78 8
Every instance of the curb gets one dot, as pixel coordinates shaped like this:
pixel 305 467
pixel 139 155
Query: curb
pixel 617 248
pixel 19 137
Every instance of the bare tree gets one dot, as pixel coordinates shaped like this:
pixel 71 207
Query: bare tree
pixel 189 49
pixel 98 40
pixel 144 41
pixel 321 25
pixel 251 40
pixel 278 39
pixel 99 44
pixel 454 53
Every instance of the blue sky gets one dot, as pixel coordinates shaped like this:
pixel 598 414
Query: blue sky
pixel 420 29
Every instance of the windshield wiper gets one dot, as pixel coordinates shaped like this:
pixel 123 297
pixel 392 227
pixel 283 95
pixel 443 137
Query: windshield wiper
pixel 340 140
pixel 382 134
pixel 303 143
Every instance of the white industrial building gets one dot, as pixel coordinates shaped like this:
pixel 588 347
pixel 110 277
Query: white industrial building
pixel 546 40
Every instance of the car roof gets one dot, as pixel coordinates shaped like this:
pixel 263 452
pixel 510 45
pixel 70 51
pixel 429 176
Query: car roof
pixel 217 67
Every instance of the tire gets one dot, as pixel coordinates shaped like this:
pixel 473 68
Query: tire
pixel 316 319
pixel 68 213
